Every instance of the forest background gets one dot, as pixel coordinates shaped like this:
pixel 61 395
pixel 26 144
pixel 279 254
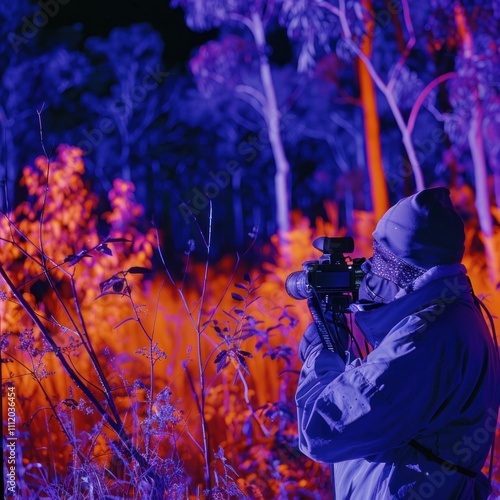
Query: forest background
pixel 164 168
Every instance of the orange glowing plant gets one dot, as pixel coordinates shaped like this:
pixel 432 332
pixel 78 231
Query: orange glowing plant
pixel 113 399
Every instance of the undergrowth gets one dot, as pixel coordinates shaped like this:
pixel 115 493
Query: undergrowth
pixel 130 384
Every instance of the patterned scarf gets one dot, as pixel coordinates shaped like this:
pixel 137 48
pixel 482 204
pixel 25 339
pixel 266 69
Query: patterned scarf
pixel 386 265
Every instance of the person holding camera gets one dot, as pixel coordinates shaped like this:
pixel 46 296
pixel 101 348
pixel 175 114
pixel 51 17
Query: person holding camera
pixel 417 417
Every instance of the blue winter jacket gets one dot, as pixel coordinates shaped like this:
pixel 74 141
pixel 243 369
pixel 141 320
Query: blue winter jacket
pixel 431 377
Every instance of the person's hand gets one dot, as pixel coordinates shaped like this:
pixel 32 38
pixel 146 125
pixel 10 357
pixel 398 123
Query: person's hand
pixel 338 334
pixel 309 341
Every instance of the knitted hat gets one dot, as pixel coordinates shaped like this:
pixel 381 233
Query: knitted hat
pixel 423 230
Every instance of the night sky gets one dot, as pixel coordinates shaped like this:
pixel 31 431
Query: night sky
pixel 99 17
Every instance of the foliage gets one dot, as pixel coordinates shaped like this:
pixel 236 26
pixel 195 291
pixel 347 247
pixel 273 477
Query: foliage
pixel 31 79
pixel 106 96
pixel 205 15
pixel 91 358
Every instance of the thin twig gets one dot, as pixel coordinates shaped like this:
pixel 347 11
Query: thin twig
pixel 204 426
pixel 46 190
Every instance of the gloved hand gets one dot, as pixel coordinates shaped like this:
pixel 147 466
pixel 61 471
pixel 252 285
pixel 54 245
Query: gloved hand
pixel 339 338
pixel 309 341
pixel 340 333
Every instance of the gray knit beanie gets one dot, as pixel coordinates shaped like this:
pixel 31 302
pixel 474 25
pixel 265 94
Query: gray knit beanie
pixel 423 230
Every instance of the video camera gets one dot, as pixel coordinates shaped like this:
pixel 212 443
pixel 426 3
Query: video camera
pixel 335 282
pixel 330 285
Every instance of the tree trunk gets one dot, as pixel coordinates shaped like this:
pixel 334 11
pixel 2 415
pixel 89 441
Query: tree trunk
pixel 378 186
pixel 476 146
pixel 273 119
pixel 384 88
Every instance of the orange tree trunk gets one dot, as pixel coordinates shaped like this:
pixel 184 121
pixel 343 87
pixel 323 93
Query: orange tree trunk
pixel 378 186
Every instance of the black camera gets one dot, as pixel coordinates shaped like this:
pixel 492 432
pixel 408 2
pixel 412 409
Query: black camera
pixel 334 278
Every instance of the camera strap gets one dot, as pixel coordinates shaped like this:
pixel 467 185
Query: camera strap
pixel 430 455
pixel 330 340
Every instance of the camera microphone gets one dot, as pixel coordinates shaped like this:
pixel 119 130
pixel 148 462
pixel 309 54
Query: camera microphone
pixel 334 245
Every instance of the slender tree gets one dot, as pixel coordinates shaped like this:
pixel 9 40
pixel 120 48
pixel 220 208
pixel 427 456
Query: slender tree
pixel 255 19
pixel 473 94
pixel 351 28
pixel 353 43
pixel 378 186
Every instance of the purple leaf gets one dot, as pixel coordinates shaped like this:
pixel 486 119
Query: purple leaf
pixel 122 322
pixel 220 356
pixel 115 283
pixel 70 402
pixel 74 259
pixel 223 363
pixel 118 240
pixel 245 353
pixel 139 270
pixel 104 249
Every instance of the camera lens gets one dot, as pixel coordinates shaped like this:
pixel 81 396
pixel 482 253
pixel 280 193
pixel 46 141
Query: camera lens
pixel 297 285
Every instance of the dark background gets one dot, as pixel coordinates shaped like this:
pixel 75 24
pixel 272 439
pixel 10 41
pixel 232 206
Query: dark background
pixel 78 65
pixel 99 17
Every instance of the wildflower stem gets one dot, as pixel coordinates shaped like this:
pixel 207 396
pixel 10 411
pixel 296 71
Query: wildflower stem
pixel 204 427
pixel 116 425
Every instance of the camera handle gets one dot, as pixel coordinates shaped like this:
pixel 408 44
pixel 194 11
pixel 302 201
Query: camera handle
pixel 331 340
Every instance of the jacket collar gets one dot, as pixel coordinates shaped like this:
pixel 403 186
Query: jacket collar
pixel 439 285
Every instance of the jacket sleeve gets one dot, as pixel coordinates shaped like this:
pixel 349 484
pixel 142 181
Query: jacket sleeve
pixel 358 410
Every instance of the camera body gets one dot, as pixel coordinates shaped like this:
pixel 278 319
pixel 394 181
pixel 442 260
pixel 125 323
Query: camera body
pixel 335 281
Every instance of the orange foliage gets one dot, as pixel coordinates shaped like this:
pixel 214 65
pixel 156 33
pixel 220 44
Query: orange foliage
pixel 61 223
pixel 152 361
